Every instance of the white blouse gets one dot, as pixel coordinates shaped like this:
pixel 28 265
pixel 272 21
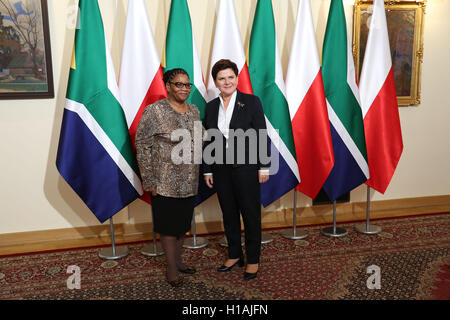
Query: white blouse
pixel 223 122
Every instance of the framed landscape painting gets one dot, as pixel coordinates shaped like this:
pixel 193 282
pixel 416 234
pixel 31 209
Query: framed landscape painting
pixel 405 27
pixel 25 56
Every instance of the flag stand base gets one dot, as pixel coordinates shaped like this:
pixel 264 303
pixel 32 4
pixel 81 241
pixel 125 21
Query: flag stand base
pixel 266 238
pixel 294 234
pixel 371 229
pixel 114 252
pixel 110 254
pixel 152 249
pixel 334 231
pixel 368 228
pixel 195 242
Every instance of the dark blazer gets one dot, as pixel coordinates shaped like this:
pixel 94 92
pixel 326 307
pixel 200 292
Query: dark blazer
pixel 247 114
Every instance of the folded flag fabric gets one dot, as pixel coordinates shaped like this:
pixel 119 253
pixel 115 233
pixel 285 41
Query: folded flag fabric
pixel 346 123
pixel 141 76
pixel 228 45
pixel 266 75
pixel 379 104
pixel 95 155
pixel 181 52
pixel 307 105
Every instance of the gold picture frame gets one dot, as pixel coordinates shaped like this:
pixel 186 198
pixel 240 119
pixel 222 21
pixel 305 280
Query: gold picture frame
pixel 405 20
pixel 25 53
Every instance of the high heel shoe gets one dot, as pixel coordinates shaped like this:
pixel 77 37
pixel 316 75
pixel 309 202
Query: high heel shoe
pixel 188 270
pixel 224 268
pixel 176 283
pixel 250 275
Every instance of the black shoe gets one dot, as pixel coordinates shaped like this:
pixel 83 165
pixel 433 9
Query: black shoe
pixel 250 276
pixel 176 283
pixel 188 270
pixel 224 268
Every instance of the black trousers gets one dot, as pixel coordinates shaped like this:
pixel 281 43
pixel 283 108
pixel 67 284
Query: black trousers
pixel 239 192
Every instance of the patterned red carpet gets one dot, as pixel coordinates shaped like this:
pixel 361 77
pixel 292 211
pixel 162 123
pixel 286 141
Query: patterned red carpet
pixel 413 255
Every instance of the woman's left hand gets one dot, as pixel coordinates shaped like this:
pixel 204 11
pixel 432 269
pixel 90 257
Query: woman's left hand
pixel 263 177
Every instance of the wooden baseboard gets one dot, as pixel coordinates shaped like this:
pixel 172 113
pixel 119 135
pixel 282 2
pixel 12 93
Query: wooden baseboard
pixel 38 241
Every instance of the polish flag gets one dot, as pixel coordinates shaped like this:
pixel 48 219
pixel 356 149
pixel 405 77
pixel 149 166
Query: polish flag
pixel 141 75
pixel 307 106
pixel 228 45
pixel 379 104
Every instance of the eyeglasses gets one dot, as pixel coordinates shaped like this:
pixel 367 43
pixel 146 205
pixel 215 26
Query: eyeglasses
pixel 180 85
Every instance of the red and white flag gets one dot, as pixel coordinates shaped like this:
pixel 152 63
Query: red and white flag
pixel 228 45
pixel 379 104
pixel 307 106
pixel 141 76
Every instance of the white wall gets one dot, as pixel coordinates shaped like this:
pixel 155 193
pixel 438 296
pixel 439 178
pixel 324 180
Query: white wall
pixel 33 196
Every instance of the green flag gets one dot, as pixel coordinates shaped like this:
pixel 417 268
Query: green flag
pixel 181 51
pixel 95 155
pixel 342 94
pixel 266 74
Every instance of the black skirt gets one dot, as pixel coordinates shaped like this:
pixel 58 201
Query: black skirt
pixel 172 216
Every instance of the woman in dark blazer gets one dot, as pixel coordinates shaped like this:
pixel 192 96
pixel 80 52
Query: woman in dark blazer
pixel 237 172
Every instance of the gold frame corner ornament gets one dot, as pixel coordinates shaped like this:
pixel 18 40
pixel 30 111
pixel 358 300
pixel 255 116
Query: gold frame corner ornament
pixel 419 7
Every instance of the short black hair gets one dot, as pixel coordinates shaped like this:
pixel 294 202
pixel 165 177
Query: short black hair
pixel 170 74
pixel 222 65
